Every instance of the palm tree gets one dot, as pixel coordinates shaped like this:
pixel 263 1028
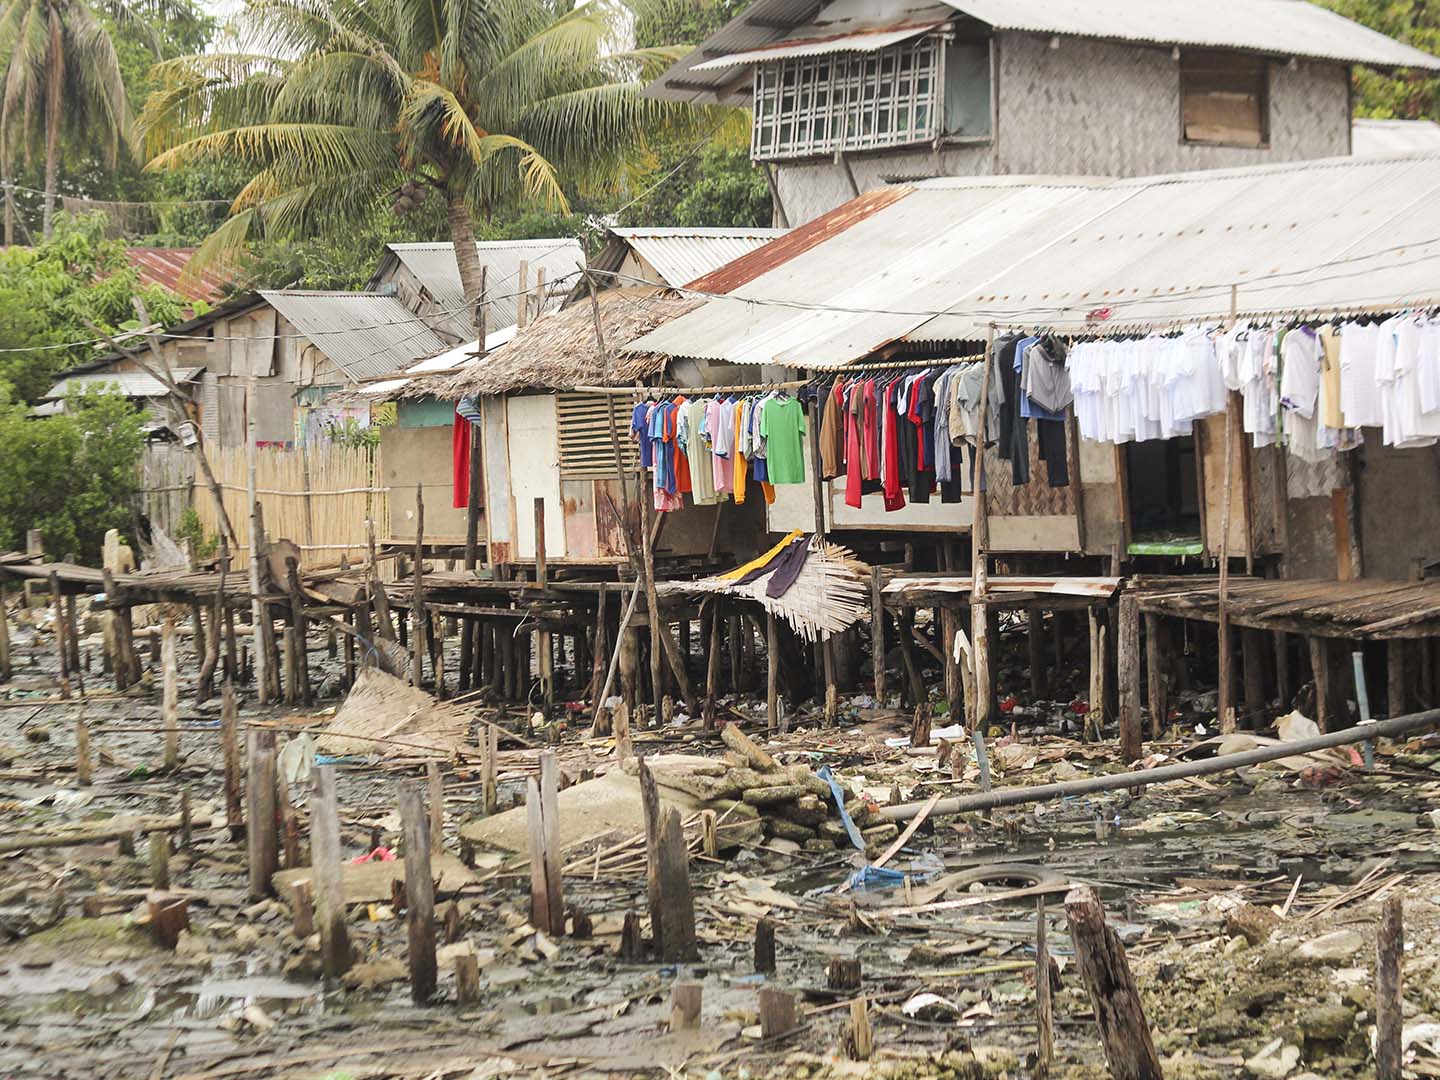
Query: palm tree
pixel 346 105
pixel 62 84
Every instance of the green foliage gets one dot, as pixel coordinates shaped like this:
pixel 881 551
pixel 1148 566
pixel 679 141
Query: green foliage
pixel 71 476
pixel 686 22
pixel 354 437
pixel 1404 95
pixel 50 294
pixel 716 188
pixel 189 528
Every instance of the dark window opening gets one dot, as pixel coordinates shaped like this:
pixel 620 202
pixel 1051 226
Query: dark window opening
pixel 1164 508
pixel 1224 98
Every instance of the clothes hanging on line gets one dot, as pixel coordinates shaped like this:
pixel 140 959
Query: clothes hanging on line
pixel 712 448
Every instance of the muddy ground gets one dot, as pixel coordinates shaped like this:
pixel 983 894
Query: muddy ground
pixel 1247 903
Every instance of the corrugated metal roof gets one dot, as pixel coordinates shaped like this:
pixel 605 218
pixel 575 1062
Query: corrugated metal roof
pixel 363 333
pixel 1275 27
pixel 1338 234
pixel 434 266
pixel 131 384
pixel 164 266
pixel 818 45
pixel 1394 136
pixel 681 255
pixel 1278 27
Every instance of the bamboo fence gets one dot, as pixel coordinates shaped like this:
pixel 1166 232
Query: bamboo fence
pixel 320 497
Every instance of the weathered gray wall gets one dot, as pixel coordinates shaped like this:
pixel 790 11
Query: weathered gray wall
pixel 1399 507
pixel 1105 109
pixel 1092 108
pixel 421 454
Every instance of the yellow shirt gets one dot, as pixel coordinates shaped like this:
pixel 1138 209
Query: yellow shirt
pixel 1330 414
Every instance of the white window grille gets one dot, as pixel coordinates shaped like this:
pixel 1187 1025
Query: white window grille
pixel 811 105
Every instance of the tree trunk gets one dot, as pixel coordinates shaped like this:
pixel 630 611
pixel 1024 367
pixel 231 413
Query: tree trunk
pixel 467 258
pixel 55 82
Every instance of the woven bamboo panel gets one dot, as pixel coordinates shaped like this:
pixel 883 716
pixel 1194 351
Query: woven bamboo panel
pixel 320 497
pixel 1037 498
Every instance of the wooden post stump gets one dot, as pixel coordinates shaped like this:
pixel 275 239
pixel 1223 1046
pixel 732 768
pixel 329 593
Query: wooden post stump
pixel 230 748
pixel 859 1035
pixel 765 947
pixel 777 1013
pixel 325 862
pixel 1124 1032
pixel 264 856
pixel 1389 1018
pixel 685 1006
pixel 419 893
pixel 1127 658
pixel 843 973
pixel 467 979
pixel 170 696
pixel 302 910
pixel 1044 997
pixel 542 813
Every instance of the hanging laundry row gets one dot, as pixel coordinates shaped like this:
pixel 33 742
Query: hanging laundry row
pixel 1308 388
pixel 712 448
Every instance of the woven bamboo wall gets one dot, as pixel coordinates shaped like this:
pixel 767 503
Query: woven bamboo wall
pixel 321 498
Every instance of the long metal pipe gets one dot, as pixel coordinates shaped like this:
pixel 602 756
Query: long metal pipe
pixel 1015 796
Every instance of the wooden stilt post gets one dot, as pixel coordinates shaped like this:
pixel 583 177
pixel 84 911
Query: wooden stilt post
pixel 1035 640
pixel 417 602
pixel 650 807
pixel 877 634
pixel 542 813
pixel 5 642
pixel 685 1001
pixel 289 822
pixel 777 1013
pixel 1389 1000
pixel 764 946
pixel 1396 689
pixel 290 652
pixel 772 674
pixel 264 858
pixel 436 786
pixel 1156 636
pixel 1044 997
pixel 170 696
pixel 325 859
pixel 1253 673
pixel 1128 663
pixel 83 763
pixel 490 796
pixel 1282 668
pixel 677 905
pixel 1095 718
pixel 159 860
pixel 62 650
pixel 861 1036
pixel 1320 673
pixel 230 749
pixel 1124 1032
pixel 419 892
pixel 298 623
pixel 712 661
pixel 980 566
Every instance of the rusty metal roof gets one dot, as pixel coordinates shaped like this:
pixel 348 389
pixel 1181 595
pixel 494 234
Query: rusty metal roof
pixel 164 266
pixel 680 255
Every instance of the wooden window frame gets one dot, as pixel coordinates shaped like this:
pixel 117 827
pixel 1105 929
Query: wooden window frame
pixel 1219 59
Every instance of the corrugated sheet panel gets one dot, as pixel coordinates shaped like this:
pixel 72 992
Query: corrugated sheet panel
pixel 817 45
pixel 1394 136
pixel 434 266
pixel 954 256
pixel 682 255
pixel 164 267
pixel 1277 27
pixel 364 334
pixel 133 384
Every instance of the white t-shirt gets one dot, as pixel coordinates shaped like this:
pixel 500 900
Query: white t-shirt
pixel 1360 398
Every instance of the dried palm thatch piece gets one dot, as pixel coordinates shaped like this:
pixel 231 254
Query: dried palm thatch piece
pixel 383 715
pixel 558 352
pixel 830 594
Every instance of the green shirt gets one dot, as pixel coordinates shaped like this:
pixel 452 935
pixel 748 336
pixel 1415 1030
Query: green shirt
pixel 782 423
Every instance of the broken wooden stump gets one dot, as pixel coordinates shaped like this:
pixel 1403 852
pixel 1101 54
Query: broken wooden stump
pixel 450 928
pixel 1124 1032
pixel 490 794
pixel 467 979
pixel 685 1006
pixel 542 815
pixel 325 870
pixel 84 766
pixel 159 861
pixel 1044 997
pixel 264 857
pixel 632 944
pixel 843 973
pixel 169 915
pixel 859 1038
pixel 777 1013
pixel 170 696
pixel 419 893
pixel 582 927
pixel 765 947
pixel 1389 1003
pixel 230 748
pixel 675 936
pixel 437 806
pixel 302 909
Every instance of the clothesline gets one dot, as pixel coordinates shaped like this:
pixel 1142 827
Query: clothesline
pixel 897 365
pixel 1313 315
pixel 643 391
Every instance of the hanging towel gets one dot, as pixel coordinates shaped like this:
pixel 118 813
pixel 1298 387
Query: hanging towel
pixel 460 461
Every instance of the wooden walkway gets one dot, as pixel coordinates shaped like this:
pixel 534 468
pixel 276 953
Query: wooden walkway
pixel 1365 609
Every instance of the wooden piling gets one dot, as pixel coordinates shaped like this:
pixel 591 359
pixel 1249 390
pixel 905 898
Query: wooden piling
pixel 83 763
pixel 170 695
pixel 1124 1032
pixel 1156 638
pixel 1035 642
pixel 490 795
pixel 877 634
pixel 5 640
pixel 230 749
pixel 62 650
pixel 436 786
pixel 289 822
pixel 859 1033
pixel 1389 1000
pixel 712 662
pixel 843 973
pixel 302 909
pixel 417 600
pixel 676 940
pixel 325 863
pixel 542 815
pixel 1320 673
pixel 467 979
pixel 299 624
pixel 1044 997
pixel 160 860
pixel 419 892
pixel 260 814
pixel 772 673
pixel 1127 657
pixel 290 655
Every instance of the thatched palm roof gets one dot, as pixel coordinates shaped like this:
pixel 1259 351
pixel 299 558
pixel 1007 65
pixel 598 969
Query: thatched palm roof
pixel 558 352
